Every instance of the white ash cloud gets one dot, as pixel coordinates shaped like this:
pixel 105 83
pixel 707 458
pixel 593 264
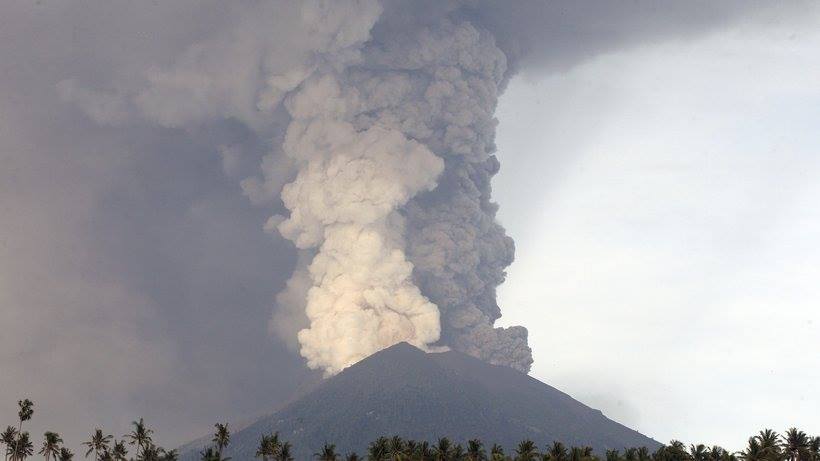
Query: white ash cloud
pixel 290 318
pixel 344 202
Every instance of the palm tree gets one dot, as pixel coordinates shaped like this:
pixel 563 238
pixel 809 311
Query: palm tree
pixel 584 453
pixel 65 455
pixel 497 453
pixel 526 451
pixel 26 410
pixel 611 455
pixel 261 450
pixel 51 445
pixel 558 452
pixel 9 438
pixel 715 453
pixel 377 451
pixel 458 453
pixel 754 451
pixel 675 451
pixel 119 452
pixel 97 444
pixel 397 449
pixel 443 450
pixel 284 453
pixel 328 453
pixel 140 436
pixel 23 448
pixel 698 452
pixel 814 449
pixel 267 449
pixel 152 452
pixel 643 454
pixel 269 446
pixel 631 454
pixel 222 437
pixel 170 455
pixel 425 452
pixel 475 451
pixel 352 457
pixel 660 454
pixel 770 443
pixel 796 444
pixel 412 448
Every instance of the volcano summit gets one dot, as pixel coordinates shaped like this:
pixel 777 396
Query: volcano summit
pixel 404 391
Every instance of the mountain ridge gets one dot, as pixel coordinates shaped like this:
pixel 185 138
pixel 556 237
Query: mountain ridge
pixel 404 391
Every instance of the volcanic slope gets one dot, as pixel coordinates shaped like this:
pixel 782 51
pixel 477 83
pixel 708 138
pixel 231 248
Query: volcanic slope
pixel 404 391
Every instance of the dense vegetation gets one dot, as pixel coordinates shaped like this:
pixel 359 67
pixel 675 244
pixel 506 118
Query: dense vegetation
pixel 767 445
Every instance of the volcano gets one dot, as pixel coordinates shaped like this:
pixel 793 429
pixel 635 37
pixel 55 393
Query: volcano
pixel 404 391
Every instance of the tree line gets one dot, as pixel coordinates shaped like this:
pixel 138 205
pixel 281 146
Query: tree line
pixel 793 445
pixel 19 446
pixel 767 445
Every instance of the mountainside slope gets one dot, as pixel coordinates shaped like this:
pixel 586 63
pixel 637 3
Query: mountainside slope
pixel 404 391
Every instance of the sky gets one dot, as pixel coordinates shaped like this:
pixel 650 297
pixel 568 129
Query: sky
pixel 663 201
pixel 658 176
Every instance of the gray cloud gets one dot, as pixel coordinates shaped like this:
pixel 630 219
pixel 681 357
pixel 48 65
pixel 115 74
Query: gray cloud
pixel 135 279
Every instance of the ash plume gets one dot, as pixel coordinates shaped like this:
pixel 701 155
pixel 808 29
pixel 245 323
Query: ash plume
pixel 381 126
pixel 455 72
pixel 394 154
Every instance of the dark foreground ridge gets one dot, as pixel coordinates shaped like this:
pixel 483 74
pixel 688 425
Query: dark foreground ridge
pixel 407 392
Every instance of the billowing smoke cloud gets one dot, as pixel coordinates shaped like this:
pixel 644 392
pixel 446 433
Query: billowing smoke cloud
pixel 394 159
pixel 383 132
pixel 378 117
pixel 455 70
pixel 382 129
pixel 344 202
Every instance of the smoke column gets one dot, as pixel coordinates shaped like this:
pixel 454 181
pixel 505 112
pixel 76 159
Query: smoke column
pixel 380 118
pixel 394 153
pixel 344 202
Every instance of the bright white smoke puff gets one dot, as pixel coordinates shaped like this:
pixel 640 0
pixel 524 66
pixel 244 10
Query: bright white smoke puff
pixel 344 202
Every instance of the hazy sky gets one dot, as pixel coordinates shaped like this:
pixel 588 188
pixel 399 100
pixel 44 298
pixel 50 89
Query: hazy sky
pixel 664 203
pixel 659 174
